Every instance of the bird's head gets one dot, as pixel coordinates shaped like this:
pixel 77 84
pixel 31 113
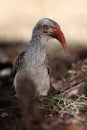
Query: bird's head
pixel 49 29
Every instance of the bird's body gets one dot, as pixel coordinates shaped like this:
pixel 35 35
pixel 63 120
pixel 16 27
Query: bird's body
pixel 33 61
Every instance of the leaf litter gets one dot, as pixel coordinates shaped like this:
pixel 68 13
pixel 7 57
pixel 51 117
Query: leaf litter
pixel 65 108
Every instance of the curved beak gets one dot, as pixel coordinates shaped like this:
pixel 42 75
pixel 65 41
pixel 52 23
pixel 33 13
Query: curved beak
pixel 57 33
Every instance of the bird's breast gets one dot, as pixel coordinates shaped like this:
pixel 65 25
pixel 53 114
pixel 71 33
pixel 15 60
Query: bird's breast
pixel 35 67
pixel 39 75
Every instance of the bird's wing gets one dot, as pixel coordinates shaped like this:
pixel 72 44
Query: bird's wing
pixel 48 65
pixel 18 62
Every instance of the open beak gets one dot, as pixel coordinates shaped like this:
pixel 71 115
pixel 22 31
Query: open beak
pixel 57 33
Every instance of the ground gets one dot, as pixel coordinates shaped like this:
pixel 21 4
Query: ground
pixel 66 106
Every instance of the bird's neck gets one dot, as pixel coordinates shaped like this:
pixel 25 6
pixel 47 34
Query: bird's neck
pixel 37 49
pixel 38 43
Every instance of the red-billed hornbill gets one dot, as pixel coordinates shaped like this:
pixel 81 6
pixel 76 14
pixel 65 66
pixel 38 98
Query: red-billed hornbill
pixel 33 61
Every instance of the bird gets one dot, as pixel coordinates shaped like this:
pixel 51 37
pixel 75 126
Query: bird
pixel 33 61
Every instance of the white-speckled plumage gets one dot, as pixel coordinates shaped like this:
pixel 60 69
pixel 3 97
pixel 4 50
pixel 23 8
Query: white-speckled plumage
pixel 32 62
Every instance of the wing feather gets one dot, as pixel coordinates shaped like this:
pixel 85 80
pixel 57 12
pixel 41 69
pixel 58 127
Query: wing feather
pixel 18 62
pixel 48 65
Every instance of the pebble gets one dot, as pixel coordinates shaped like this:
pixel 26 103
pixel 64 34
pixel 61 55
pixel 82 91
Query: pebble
pixel 6 72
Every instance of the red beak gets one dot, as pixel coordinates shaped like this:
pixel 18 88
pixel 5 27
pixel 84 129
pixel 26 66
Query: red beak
pixel 57 33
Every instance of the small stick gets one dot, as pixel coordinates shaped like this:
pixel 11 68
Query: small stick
pixel 72 88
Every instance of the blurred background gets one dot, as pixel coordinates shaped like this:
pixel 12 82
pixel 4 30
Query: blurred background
pixel 18 17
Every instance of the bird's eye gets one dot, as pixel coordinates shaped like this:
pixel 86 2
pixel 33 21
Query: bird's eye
pixel 46 27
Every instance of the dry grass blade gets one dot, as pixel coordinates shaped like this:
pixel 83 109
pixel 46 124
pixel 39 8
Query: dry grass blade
pixel 59 104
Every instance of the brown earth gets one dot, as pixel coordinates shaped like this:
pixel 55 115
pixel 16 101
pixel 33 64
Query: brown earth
pixel 69 78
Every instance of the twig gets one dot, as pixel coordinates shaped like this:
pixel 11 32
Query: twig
pixel 72 88
pixel 8 109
